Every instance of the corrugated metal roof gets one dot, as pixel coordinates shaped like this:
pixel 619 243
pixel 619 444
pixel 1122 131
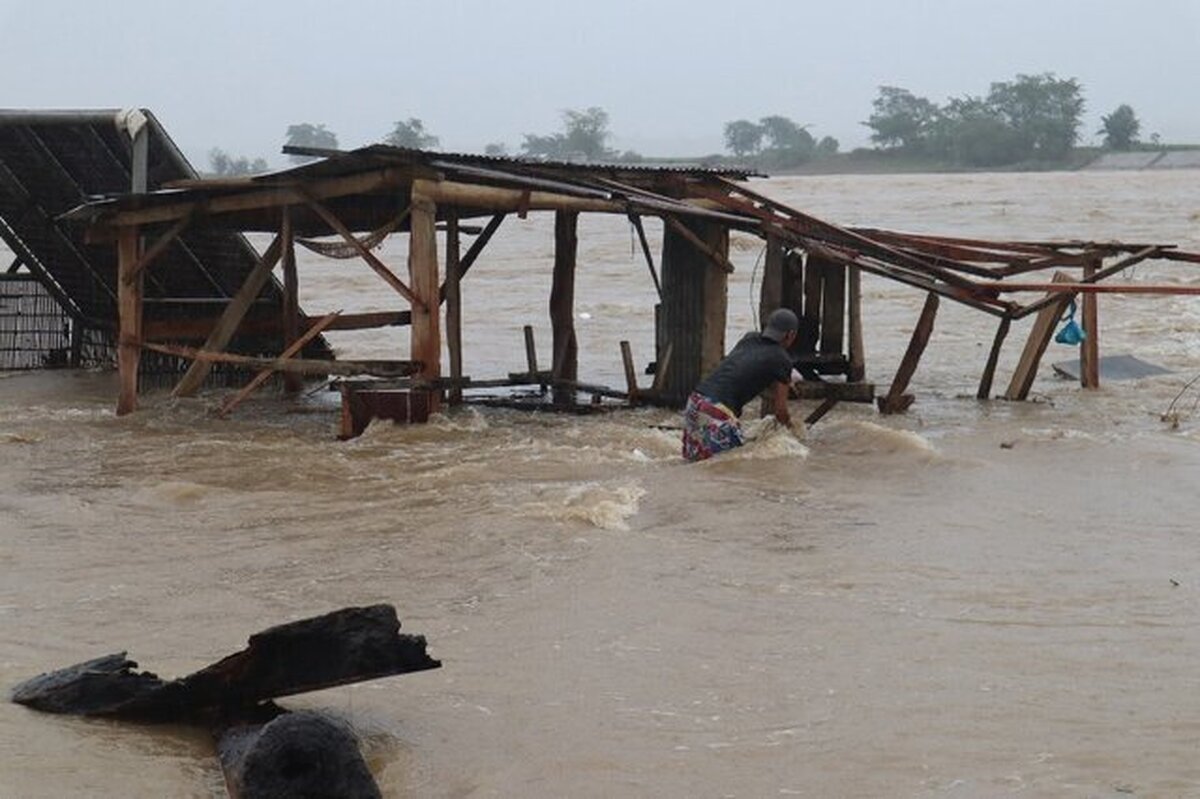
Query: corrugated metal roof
pixel 52 161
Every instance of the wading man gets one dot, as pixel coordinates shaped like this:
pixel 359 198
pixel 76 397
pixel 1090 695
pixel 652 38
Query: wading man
pixel 760 361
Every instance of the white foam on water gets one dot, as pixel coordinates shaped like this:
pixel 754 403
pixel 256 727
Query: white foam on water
pixel 856 437
pixel 766 439
pixel 608 506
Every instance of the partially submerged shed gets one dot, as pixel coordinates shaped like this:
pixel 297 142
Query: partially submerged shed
pixel 52 161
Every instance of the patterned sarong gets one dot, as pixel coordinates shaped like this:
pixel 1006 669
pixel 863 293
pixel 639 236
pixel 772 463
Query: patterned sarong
pixel 708 428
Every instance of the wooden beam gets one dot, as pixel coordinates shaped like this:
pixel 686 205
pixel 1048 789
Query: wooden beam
pixel 854 323
pixel 531 351
pixel 1102 274
pixel 896 400
pixel 425 332
pixel 453 294
pixel 1069 287
pixel 718 259
pixel 989 371
pixel 1089 348
pixel 232 317
pixel 265 374
pixel 819 412
pixel 129 309
pixel 377 265
pixel 842 392
pixel 1039 339
pixel 362 183
pixel 158 248
pixel 303 366
pixel 565 364
pixel 290 325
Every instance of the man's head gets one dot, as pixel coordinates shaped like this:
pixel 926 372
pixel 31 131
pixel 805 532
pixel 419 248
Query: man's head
pixel 781 326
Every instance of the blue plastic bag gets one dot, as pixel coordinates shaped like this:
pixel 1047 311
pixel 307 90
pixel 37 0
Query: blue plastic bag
pixel 1071 332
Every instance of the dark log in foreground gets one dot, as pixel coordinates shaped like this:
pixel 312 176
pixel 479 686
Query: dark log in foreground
pixel 301 755
pixel 346 646
pixel 265 751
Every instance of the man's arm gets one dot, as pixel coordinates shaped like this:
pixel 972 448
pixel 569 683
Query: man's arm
pixel 779 401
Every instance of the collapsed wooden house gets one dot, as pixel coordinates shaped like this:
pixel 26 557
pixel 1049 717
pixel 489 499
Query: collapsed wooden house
pixel 365 195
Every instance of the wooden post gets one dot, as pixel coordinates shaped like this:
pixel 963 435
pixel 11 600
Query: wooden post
pixel 453 286
pixel 1089 348
pixel 896 400
pixel 631 385
pixel 565 349
pixel 531 353
pixel 833 309
pixel 1039 339
pixel 989 371
pixel 129 307
pixel 858 363
pixel 423 280
pixel 695 298
pixel 292 383
pixel 770 297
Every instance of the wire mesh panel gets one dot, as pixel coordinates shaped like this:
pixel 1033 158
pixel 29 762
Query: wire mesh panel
pixel 35 331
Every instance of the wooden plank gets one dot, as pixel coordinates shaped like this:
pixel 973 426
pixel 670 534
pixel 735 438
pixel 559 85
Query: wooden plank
pixel 819 412
pixel 265 374
pixel 814 277
pixel 896 400
pixel 303 366
pixel 1069 287
pixel 379 267
pixel 231 318
pixel 833 309
pixel 1039 339
pixel 1089 348
pixel 453 288
pixel 857 370
pixel 631 385
pixel 129 309
pixel 565 349
pixel 842 392
pixel 770 295
pixel 425 332
pixel 1102 274
pixel 290 323
pixel 660 370
pixel 989 371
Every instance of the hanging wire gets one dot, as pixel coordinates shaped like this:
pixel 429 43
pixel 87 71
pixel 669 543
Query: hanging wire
pixel 1171 415
pixel 750 298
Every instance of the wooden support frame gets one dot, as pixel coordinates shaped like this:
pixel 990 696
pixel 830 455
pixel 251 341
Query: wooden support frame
pixel 474 250
pixel 1039 339
pixel 159 247
pixel 377 265
pixel 234 312
pixel 129 305
pixel 565 346
pixel 896 400
pixel 530 352
pixel 265 374
pixel 303 366
pixel 631 384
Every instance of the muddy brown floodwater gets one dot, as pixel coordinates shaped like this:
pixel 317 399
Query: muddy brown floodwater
pixel 970 600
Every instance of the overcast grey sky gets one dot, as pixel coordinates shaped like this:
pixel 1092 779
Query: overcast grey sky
pixel 669 72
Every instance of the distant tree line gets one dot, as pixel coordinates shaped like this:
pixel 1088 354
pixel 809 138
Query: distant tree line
pixel 776 142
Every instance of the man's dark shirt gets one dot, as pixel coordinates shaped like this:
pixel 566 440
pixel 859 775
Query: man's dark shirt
pixel 753 365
